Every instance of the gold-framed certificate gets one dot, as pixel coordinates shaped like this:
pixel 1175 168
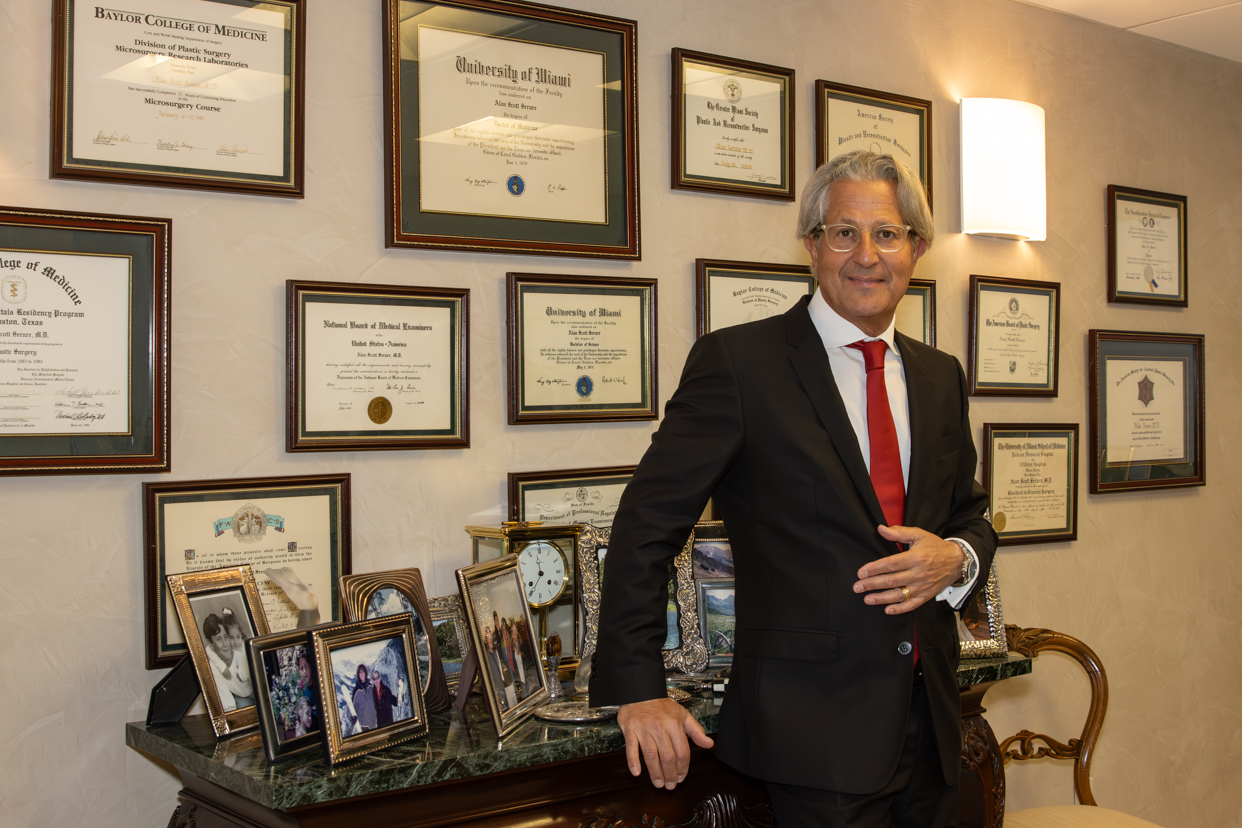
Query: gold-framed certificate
pixel 733 126
pixel 581 348
pixel 1014 337
pixel 204 94
pixel 729 293
pixel 377 367
pixel 586 496
pixel 1031 472
pixel 1147 247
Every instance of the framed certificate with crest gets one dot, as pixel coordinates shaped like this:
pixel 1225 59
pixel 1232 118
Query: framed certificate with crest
pixel 1014 337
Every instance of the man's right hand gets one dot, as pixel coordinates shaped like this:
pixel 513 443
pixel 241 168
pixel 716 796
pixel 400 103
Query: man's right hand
pixel 658 729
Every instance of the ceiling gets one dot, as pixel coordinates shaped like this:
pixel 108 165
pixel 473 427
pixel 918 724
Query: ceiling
pixel 1212 26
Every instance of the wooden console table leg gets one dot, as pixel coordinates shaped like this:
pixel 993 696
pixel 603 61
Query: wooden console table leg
pixel 983 768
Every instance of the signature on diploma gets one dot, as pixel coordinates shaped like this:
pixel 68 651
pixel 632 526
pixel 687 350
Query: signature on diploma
pixel 86 393
pixel 479 182
pixel 557 188
pixel 402 388
pixel 543 381
pixel 113 137
pixel 160 143
pixel 79 404
pixel 79 416
pixel 233 150
pixel 607 380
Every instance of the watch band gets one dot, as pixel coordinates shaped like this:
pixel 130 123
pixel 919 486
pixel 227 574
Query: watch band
pixel 968 564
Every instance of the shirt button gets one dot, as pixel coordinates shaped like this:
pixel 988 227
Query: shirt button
pixel 904 648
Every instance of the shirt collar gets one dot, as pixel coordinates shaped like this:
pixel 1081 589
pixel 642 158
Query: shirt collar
pixel 837 332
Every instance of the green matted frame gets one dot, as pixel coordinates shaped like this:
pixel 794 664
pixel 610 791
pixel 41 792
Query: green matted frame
pixel 408 225
pixel 289 183
pixel 143 445
pixel 456 301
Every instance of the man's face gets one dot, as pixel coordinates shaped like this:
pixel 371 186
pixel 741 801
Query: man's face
pixel 864 285
pixel 222 644
pixel 378 679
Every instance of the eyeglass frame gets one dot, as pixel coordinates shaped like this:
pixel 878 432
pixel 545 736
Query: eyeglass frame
pixel 909 233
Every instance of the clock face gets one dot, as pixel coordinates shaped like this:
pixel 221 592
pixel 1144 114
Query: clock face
pixel 544 572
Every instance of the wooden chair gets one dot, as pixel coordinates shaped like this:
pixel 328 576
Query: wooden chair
pixel 1025 745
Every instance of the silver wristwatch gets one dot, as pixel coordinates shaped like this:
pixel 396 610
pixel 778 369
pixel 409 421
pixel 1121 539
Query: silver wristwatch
pixel 969 565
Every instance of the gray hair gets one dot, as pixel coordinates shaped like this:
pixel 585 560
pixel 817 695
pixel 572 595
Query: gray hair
pixel 864 165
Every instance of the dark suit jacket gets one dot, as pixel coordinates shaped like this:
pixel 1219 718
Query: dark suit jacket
pixel 820 693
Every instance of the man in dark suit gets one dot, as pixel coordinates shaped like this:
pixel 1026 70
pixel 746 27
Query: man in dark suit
pixel 841 457
pixel 385 701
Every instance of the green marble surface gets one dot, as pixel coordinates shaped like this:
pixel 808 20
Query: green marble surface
pixel 456 748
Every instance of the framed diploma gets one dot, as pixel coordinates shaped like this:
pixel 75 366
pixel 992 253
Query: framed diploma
pixel 581 348
pixel 510 127
pixel 916 312
pixel 377 367
pixel 1014 337
pixel 849 118
pixel 587 496
pixel 84 307
pixel 733 126
pixel 295 528
pixel 1031 472
pixel 1146 247
pixel 1147 410
pixel 204 94
pixel 730 293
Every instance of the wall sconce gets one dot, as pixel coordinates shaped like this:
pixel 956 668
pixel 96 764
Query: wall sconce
pixel 1003 185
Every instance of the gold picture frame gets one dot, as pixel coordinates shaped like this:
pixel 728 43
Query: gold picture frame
pixel 232 591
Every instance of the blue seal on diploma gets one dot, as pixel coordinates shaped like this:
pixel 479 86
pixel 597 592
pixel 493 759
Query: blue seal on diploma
pixel 584 386
pixel 516 185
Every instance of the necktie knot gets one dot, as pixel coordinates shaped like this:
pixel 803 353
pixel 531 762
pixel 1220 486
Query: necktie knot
pixel 872 351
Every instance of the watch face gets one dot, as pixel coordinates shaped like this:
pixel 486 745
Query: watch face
pixel 544 572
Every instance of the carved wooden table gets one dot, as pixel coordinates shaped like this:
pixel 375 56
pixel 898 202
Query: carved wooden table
pixel 542 775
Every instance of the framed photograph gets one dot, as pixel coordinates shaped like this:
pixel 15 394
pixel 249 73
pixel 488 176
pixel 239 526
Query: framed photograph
pixel 397 591
pixel 220 610
pixel 204 94
pixel 849 118
pixel 711 556
pixel 294 528
pixel 981 625
pixel 377 367
pixel 84 347
pixel 510 127
pixel 587 496
pixel 733 126
pixel 1147 410
pixel 916 312
pixel 581 349
pixel 502 634
pixel 717 619
pixel 1014 337
pixel 448 619
pixel 1147 247
pixel 290 714
pixel 683 643
pixel 730 293
pixel 369 670
pixel 1031 474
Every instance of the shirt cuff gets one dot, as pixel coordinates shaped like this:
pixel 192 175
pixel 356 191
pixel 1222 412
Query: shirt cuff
pixel 956 595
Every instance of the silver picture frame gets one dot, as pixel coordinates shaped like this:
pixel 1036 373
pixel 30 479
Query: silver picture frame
pixel 981 624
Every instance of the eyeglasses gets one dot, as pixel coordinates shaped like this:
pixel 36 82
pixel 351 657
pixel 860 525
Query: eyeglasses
pixel 844 237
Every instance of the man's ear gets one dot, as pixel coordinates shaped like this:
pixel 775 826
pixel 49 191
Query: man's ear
pixel 920 247
pixel 808 241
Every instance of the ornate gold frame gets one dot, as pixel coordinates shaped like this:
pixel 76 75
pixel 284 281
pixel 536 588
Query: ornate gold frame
pixel 988 601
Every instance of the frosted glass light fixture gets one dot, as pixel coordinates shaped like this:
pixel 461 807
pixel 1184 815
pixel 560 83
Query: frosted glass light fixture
pixel 1003 187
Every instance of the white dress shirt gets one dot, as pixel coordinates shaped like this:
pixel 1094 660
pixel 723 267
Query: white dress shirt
pixel 849 371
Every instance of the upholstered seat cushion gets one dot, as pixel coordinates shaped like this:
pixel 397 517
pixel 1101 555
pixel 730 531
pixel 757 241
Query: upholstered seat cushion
pixel 1073 816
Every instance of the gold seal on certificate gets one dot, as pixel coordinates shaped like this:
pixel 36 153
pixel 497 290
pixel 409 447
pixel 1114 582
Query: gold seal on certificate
pixel 998 522
pixel 379 410
pixel 1014 341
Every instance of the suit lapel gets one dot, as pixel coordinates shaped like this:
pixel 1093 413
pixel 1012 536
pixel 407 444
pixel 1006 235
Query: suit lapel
pixel 811 364
pixel 920 393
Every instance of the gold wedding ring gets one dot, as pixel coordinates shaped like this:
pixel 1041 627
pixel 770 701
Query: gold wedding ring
pixel 905 593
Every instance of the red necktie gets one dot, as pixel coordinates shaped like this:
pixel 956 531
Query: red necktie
pixel 886 477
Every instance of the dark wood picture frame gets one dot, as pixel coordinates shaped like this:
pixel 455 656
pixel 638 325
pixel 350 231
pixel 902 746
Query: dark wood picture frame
pixel 1029 431
pixel 520 482
pixel 1176 202
pixel 274 747
pixel 298 438
pixel 147 243
pixel 1108 475
pixel 357 591
pixel 522 412
pixel 782 190
pixel 927 289
pixel 975 361
pixel 155 496
pixel 407 225
pixel 874 97
pixel 291 183
pixel 706 269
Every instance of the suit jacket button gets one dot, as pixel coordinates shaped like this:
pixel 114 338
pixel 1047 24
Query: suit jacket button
pixel 904 648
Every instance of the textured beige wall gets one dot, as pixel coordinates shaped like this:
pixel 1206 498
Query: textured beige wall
pixel 1152 583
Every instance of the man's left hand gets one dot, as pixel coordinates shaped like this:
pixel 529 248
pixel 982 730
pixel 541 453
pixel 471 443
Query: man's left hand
pixel 928 565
